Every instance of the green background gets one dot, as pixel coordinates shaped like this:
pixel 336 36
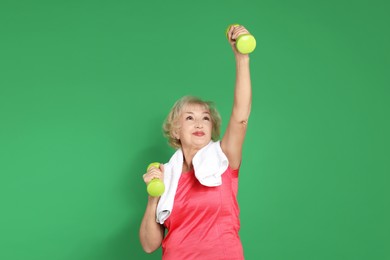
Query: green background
pixel 85 86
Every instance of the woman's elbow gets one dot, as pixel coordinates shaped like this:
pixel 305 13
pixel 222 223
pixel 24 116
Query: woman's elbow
pixel 150 248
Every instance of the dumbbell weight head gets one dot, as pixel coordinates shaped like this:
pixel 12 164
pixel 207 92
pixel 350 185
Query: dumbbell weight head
pixel 153 164
pixel 246 43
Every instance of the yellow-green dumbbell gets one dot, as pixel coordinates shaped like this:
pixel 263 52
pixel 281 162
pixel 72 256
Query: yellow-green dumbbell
pixel 155 187
pixel 245 43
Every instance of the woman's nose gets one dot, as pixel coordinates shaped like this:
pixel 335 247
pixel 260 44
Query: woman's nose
pixel 198 124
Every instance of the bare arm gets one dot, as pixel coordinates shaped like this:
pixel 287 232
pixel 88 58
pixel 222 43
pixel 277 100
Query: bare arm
pixel 233 139
pixel 151 233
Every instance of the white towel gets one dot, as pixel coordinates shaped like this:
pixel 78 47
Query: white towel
pixel 209 164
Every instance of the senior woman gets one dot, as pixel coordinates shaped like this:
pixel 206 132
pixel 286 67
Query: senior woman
pixel 198 216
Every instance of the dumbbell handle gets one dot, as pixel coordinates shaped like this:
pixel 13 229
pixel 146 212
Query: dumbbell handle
pixel 155 187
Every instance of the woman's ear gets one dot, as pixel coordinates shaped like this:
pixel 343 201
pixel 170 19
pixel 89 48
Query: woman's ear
pixel 175 135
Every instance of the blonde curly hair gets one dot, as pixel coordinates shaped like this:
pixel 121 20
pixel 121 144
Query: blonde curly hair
pixel 171 122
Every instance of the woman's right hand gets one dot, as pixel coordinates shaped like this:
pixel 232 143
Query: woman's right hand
pixel 154 173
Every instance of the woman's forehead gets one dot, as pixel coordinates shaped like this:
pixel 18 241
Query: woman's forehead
pixel 190 108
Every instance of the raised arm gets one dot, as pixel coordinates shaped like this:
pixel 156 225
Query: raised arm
pixel 233 138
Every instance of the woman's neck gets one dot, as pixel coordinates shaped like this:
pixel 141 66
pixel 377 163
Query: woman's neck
pixel 186 167
pixel 187 160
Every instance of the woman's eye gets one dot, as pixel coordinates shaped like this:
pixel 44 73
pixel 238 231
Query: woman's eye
pixel 206 118
pixel 189 118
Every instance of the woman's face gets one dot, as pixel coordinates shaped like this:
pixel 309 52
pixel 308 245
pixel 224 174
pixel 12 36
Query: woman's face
pixel 195 127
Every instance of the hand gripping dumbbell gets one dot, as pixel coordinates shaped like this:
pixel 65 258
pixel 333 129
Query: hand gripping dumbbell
pixel 155 187
pixel 245 43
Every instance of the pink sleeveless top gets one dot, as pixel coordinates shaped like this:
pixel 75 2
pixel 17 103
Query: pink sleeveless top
pixel 204 222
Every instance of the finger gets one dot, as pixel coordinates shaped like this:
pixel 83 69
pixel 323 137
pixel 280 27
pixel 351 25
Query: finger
pixel 149 178
pixel 154 175
pixel 152 167
pixel 234 30
pixel 239 32
pixel 154 170
pixel 230 33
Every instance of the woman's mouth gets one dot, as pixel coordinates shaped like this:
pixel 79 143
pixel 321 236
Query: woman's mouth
pixel 198 133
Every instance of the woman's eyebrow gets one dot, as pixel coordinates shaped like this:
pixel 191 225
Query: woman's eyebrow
pixel 189 112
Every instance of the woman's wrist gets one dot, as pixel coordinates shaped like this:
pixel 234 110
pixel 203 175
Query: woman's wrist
pixel 153 200
pixel 242 57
